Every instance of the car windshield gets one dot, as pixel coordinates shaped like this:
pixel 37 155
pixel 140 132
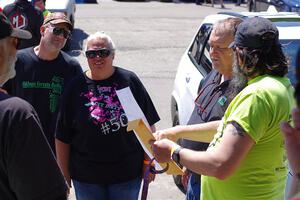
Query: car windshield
pixel 290 48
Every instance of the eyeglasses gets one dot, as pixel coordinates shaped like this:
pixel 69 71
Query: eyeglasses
pixel 58 31
pixel 102 53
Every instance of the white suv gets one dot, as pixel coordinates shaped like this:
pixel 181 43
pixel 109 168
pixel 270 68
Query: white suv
pixel 196 63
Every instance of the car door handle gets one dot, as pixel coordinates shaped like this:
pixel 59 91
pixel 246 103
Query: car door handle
pixel 187 78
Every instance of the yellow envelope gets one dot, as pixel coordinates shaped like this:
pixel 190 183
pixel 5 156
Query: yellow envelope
pixel 139 127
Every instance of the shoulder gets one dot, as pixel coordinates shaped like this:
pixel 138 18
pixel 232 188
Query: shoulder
pixel 69 59
pixel 25 52
pixel 126 74
pixel 24 56
pixel 15 107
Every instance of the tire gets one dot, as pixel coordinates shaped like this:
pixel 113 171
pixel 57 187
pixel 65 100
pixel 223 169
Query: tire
pixel 177 178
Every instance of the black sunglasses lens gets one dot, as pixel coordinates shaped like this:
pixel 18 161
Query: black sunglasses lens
pixel 90 54
pixel 59 31
pixel 102 53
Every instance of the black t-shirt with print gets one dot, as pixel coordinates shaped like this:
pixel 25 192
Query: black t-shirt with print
pixel 41 83
pixel 28 169
pixel 93 122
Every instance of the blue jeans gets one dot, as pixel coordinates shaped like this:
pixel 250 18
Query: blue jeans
pixel 128 190
pixel 193 188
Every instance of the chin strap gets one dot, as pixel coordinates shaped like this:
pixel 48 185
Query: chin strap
pixel 150 169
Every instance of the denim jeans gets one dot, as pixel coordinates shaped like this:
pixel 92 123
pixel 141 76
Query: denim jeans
pixel 128 190
pixel 193 188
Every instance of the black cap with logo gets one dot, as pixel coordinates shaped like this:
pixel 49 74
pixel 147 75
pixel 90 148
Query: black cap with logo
pixel 7 30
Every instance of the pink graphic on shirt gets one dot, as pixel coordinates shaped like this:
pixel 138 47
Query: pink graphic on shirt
pixel 105 109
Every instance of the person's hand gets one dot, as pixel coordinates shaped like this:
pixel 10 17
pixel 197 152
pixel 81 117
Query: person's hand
pixel 162 149
pixel 151 177
pixel 169 133
pixel 292 140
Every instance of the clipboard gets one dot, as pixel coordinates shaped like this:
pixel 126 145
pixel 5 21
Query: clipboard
pixel 139 127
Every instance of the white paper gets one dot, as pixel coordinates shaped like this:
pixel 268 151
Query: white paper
pixel 133 112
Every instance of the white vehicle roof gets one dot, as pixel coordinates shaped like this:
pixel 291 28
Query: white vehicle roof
pixel 288 23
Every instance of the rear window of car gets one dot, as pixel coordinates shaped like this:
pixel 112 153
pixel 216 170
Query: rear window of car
pixel 199 50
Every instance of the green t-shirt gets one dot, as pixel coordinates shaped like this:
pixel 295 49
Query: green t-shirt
pixel 259 109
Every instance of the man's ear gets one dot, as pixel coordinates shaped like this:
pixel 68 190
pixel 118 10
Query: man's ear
pixel 42 30
pixel 15 41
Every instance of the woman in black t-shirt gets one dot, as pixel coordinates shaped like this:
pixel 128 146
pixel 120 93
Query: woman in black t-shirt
pixel 92 144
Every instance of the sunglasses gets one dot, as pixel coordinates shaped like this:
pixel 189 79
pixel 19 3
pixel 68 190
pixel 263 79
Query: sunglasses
pixel 58 31
pixel 102 53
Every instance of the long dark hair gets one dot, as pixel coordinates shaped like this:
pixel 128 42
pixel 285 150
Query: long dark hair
pixel 268 60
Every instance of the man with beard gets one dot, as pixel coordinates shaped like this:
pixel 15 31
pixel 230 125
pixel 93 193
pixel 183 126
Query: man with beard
pixel 246 159
pixel 214 93
pixel 28 169
pixel 44 71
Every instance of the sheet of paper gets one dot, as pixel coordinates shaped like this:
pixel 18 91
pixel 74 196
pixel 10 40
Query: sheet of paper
pixel 133 112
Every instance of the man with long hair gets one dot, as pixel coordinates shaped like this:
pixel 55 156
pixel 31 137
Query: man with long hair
pixel 246 158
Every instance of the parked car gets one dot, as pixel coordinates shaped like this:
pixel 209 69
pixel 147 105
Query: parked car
pixel 196 63
pixel 280 5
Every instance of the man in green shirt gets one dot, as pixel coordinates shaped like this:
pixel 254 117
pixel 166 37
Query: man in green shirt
pixel 245 159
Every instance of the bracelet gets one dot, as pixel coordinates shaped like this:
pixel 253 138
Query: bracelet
pixel 147 162
pixel 174 147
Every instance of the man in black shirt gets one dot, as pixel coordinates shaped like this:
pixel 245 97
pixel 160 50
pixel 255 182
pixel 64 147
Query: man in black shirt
pixel 23 15
pixel 214 93
pixel 44 71
pixel 28 169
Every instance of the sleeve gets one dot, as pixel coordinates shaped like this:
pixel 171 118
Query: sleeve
pixel 145 102
pixel 253 113
pixel 31 166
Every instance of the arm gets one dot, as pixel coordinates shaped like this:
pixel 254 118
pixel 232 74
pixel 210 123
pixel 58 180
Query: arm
pixel 292 145
pixel 219 162
pixel 292 141
pixel 199 132
pixel 27 145
pixel 63 157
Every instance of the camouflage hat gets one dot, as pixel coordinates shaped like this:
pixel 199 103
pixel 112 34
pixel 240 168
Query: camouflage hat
pixel 58 18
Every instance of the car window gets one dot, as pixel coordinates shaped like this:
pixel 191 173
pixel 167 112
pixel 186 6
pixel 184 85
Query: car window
pixel 199 51
pixel 291 48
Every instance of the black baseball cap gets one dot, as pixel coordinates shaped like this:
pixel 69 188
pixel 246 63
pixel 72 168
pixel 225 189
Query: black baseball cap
pixel 58 18
pixel 7 30
pixel 255 33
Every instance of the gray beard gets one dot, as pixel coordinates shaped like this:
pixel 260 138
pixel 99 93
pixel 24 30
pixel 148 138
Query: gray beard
pixel 238 82
pixel 11 71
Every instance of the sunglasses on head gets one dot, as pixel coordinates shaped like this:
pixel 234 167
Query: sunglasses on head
pixel 58 31
pixel 102 53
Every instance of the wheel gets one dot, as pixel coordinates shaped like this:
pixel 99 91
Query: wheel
pixel 177 178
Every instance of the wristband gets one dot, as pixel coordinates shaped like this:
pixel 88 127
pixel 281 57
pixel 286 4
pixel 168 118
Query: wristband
pixel 146 162
pixel 174 147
